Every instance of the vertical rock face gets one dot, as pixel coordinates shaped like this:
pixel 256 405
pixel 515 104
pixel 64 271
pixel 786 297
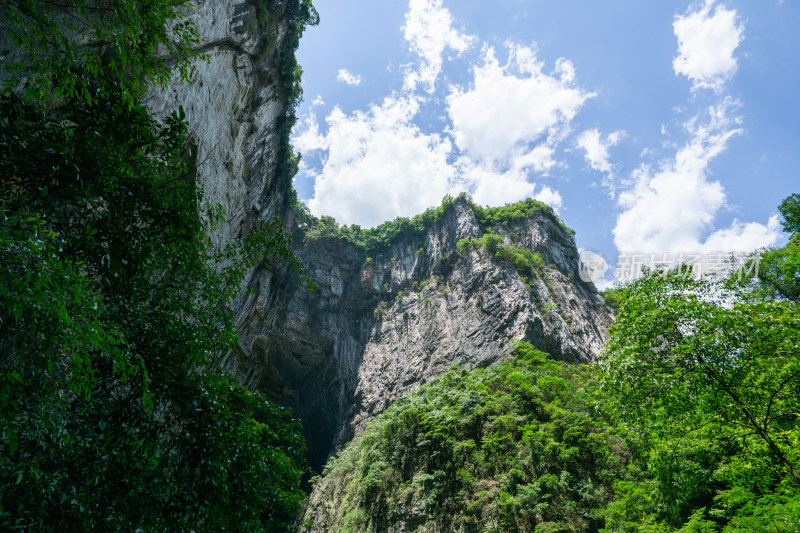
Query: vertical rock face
pixel 234 110
pixel 380 326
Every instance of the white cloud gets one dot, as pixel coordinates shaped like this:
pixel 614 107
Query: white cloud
pixel 508 123
pixel 671 208
pixel 429 31
pixel 348 78
pixel 504 130
pixel 707 39
pixel 597 153
pixel 603 284
pixel 378 165
pixel 510 107
pixel 745 237
pixel 489 187
pixel 550 197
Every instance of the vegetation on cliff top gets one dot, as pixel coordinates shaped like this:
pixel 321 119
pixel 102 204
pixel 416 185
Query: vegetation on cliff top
pixel 380 238
pixel 295 15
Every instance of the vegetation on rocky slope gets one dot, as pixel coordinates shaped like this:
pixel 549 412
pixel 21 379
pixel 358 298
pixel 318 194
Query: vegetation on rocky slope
pixel 380 238
pixel 514 447
pixel 526 262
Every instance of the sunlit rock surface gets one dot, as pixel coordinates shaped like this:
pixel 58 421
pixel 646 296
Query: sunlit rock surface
pixel 378 327
pixel 234 111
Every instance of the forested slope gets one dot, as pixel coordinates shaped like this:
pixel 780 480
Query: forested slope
pixel 690 422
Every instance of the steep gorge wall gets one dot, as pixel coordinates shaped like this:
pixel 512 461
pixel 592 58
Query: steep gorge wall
pixel 236 107
pixel 380 326
pixel 329 355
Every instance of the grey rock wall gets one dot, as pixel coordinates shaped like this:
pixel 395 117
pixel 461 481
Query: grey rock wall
pixel 233 110
pixel 379 327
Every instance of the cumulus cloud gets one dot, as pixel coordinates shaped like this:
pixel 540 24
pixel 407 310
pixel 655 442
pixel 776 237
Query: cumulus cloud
pixel 377 165
pixel 745 237
pixel 348 78
pixel 549 196
pixel 510 107
pixel 429 32
pixel 490 186
pixel 596 153
pixel 671 208
pixel 707 38
pixel 505 127
pixel 504 130
pixel 508 122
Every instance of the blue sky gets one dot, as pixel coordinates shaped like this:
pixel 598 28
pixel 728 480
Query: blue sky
pixel 650 126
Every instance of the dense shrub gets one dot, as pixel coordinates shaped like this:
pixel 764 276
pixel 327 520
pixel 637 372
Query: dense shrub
pixel 520 446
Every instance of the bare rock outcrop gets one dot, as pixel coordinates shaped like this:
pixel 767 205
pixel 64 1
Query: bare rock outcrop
pixel 380 326
pixel 235 110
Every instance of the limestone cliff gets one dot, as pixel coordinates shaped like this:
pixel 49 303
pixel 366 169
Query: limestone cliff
pixel 380 325
pixel 238 105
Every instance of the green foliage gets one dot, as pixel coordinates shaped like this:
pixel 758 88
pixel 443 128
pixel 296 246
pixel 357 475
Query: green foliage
pixel 466 244
pixel 612 298
pixel 113 320
pixel 706 380
pixel 374 240
pixel 790 210
pixel 779 272
pixel 379 239
pixel 693 348
pixel 516 447
pixel 491 242
pixel 524 260
pixel 87 50
pixel 779 268
pixel 111 326
pixel 381 308
pixel 290 19
pixel 489 217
